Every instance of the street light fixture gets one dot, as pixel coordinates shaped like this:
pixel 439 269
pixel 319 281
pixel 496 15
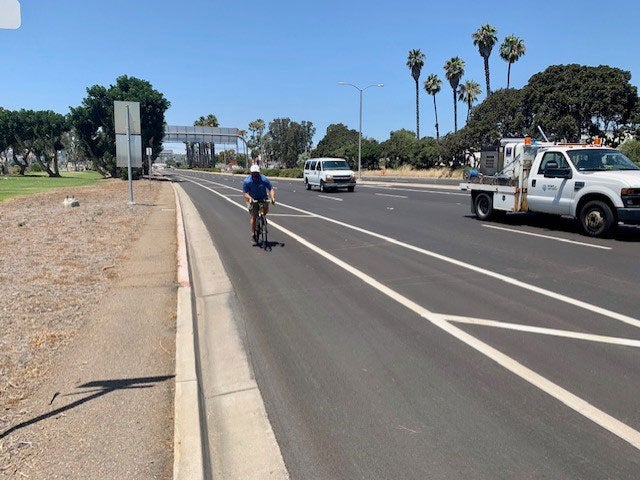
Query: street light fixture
pixel 360 127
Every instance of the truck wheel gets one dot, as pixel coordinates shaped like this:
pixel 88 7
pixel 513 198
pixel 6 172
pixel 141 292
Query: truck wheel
pixel 322 187
pixel 483 206
pixel 596 218
pixel 306 184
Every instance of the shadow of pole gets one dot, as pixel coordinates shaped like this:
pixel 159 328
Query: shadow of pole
pixel 104 387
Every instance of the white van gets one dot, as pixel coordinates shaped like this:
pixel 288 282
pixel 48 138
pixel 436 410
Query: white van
pixel 328 174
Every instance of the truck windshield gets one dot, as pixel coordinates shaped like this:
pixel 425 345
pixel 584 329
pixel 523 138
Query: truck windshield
pixel 589 160
pixel 336 165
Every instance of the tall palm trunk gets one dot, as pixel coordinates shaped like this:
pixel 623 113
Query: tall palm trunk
pixel 455 111
pixel 435 109
pixel 508 75
pixel 486 74
pixel 417 111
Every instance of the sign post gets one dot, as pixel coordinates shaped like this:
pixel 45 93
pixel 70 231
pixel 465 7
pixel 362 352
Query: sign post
pixel 128 138
pixel 149 153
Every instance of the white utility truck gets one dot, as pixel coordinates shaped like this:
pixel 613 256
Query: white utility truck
pixel 596 185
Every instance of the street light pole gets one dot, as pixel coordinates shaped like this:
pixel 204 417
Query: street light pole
pixel 360 122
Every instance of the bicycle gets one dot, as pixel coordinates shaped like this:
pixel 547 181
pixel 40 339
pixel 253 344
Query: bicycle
pixel 261 234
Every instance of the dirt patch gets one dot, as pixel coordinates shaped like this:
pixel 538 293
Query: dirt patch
pixel 55 264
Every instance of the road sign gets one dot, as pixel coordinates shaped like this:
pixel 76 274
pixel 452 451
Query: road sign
pixel 10 14
pixel 122 151
pixel 120 116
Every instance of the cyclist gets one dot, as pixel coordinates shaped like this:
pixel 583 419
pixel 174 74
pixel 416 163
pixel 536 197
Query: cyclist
pixel 257 188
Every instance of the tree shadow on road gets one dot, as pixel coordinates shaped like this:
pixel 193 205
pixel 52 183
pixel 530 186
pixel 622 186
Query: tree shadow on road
pixel 98 388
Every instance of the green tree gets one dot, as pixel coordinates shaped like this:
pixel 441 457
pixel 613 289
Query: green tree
pixel 432 86
pixel 569 101
pixel 209 121
pixel 415 62
pixel 256 136
pixel 511 50
pixel 48 129
pixel 498 116
pixel 19 126
pixel 485 38
pixel 337 141
pixel 468 93
pixel 400 148
pixel 631 148
pixel 94 119
pixel 454 70
pixel 287 140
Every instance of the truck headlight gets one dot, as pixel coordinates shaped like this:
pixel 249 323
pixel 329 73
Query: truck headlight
pixel 630 197
pixel 329 178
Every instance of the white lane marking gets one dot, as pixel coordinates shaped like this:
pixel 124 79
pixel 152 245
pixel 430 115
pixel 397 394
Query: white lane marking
pixel 299 215
pixel 547 236
pixel 498 276
pixel 389 195
pixel 574 402
pixel 627 342
pixel 330 198
pixel 398 189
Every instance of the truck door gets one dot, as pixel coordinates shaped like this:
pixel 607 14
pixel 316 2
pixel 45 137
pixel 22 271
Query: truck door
pixel 550 195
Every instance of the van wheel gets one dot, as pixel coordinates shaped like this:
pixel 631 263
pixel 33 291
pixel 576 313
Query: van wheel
pixel 596 218
pixel 306 184
pixel 483 206
pixel 322 187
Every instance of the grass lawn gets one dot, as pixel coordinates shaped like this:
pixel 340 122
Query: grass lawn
pixel 16 185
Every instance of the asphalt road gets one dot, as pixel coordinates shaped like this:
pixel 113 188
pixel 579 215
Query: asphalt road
pixel 426 344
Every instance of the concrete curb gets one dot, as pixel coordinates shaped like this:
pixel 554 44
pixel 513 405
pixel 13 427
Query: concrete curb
pixel 188 461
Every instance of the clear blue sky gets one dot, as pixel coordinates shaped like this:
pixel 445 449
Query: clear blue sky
pixel 256 59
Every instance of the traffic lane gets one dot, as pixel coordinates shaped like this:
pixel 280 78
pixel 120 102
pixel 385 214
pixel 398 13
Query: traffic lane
pixel 359 387
pixel 424 280
pixel 560 267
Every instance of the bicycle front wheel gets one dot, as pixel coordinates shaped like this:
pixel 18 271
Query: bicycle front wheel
pixel 264 232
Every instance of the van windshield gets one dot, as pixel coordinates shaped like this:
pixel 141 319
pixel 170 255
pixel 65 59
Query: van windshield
pixel 335 165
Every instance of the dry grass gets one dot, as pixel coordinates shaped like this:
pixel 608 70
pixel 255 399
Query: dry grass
pixel 408 171
pixel 55 263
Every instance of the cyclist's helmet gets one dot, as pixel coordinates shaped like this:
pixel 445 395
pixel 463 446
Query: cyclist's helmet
pixel 254 169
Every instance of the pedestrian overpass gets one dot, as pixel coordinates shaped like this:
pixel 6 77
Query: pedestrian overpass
pixel 201 141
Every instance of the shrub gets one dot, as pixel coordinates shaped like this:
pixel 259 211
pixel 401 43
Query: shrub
pixel 123 173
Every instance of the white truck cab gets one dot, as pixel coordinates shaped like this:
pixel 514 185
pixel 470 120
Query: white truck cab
pixel 596 185
pixel 328 174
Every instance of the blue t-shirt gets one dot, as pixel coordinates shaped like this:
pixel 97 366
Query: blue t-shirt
pixel 257 189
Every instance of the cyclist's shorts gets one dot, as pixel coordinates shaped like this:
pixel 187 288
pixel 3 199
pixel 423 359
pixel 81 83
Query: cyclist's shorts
pixel 255 207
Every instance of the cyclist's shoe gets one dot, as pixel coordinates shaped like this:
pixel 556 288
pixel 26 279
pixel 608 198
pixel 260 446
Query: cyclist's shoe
pixel 254 239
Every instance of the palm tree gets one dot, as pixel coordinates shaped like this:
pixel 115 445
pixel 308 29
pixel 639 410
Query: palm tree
pixel 454 70
pixel 415 62
pixel 209 121
pixel 485 38
pixel 468 93
pixel 432 86
pixel 511 50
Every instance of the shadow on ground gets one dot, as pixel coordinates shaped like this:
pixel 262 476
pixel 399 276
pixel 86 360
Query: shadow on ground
pixel 97 389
